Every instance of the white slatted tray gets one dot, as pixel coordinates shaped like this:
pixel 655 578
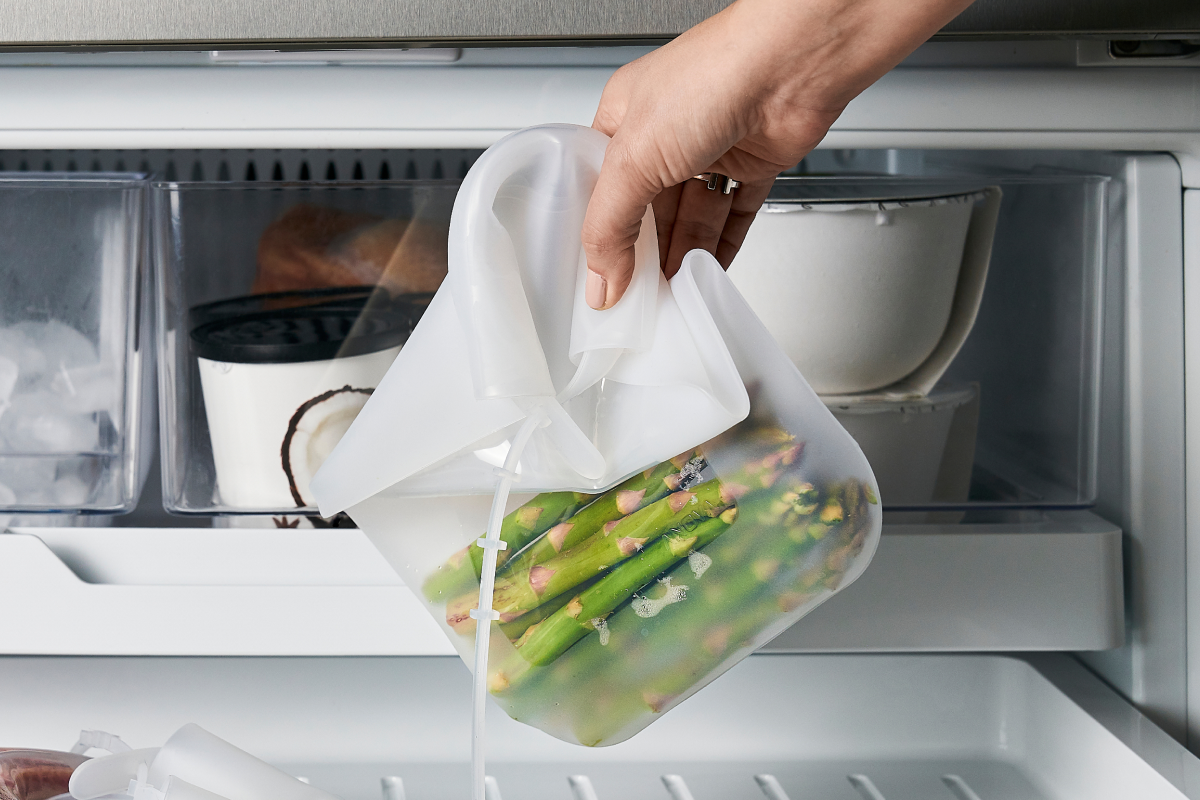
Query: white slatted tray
pixel 828 727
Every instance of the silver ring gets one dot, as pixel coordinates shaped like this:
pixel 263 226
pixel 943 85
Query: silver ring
pixel 716 180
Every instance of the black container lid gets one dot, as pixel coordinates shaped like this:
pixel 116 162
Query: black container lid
pixel 293 327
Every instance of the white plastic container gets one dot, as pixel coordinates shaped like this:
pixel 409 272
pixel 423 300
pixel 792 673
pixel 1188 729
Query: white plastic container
pixel 869 286
pixel 282 384
pixel 920 448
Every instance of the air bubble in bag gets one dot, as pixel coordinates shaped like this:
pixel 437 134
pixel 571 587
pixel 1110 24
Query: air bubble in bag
pixel 682 497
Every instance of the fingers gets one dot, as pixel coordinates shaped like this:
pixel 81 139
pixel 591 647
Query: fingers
pixel 666 206
pixel 611 226
pixel 698 222
pixel 747 199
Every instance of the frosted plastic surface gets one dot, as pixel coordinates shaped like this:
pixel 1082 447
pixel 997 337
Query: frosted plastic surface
pixel 192 765
pixel 694 496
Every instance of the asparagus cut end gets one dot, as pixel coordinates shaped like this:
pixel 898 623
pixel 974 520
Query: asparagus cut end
pixel 680 545
pixel 832 513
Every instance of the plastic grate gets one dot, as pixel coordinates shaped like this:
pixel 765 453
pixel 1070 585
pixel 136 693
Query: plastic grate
pixel 251 165
pixel 983 779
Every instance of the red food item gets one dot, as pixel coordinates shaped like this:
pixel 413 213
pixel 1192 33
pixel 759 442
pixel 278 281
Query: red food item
pixel 35 774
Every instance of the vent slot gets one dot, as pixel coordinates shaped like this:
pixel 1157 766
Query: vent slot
pixel 251 165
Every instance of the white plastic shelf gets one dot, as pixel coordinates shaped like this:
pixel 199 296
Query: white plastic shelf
pixel 828 727
pixel 1050 585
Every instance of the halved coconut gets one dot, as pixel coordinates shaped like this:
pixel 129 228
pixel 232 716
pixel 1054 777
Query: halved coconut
pixel 312 433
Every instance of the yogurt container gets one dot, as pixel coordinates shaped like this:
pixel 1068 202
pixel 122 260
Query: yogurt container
pixel 283 375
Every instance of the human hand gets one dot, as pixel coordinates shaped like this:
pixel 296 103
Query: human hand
pixel 747 94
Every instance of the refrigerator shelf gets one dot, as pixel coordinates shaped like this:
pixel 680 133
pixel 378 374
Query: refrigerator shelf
pixel 1050 584
pixel 827 727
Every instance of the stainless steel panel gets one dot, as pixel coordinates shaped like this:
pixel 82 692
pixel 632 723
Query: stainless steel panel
pixel 50 23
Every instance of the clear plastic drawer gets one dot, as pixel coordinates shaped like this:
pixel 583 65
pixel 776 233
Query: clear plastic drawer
pixel 281 306
pixel 74 347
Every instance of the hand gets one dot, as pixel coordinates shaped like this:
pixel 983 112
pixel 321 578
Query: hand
pixel 747 93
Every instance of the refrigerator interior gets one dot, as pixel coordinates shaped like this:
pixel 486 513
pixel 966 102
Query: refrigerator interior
pixel 1106 577
pixel 862 727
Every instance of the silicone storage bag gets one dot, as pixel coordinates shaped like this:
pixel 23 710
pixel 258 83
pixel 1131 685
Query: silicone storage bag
pixel 680 497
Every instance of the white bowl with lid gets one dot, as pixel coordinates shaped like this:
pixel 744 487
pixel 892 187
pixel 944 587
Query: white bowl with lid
pixel 869 286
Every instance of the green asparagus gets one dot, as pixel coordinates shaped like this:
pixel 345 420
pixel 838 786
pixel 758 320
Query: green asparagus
pixel 547 640
pixel 461 571
pixel 635 493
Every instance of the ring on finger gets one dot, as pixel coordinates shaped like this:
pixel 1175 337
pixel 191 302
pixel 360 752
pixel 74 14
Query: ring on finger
pixel 716 180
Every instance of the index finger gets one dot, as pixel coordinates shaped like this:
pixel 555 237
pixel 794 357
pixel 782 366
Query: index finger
pixel 611 225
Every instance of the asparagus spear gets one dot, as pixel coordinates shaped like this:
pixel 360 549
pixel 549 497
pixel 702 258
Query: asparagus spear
pixel 516 629
pixel 706 634
pixel 550 638
pixel 766 567
pixel 635 493
pixel 461 571
pixel 516 594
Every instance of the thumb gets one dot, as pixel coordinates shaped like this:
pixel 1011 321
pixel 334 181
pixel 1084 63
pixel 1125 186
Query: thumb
pixel 611 225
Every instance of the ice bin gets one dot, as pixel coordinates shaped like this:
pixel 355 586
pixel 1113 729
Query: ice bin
pixel 75 368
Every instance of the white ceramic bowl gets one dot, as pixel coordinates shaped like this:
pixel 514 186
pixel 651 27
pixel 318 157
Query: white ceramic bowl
pixel 857 293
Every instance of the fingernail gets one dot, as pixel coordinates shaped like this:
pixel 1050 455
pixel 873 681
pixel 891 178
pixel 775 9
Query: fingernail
pixel 597 290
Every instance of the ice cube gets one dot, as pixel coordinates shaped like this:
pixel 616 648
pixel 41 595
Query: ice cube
pixel 71 491
pixel 15 346
pixel 61 345
pixel 30 426
pixel 8 380
pixel 84 390
pixel 41 349
pixel 27 474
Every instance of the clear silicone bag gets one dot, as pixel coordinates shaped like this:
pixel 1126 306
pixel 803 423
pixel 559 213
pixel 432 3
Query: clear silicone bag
pixel 192 764
pixel 681 495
